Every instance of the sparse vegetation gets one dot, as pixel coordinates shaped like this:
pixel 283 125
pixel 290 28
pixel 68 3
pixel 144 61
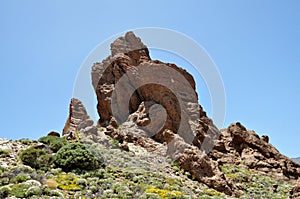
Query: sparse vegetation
pixel 253 185
pixel 77 169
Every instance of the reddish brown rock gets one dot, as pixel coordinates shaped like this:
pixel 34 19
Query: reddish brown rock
pixel 193 160
pixel 175 90
pixel 154 104
pixel 78 120
pixel 245 147
pixel 265 138
pixel 295 192
pixel 53 133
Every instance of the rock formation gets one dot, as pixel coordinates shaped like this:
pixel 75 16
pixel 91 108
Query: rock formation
pixel 78 120
pixel 154 105
pixel 244 146
pixel 162 103
pixel 295 192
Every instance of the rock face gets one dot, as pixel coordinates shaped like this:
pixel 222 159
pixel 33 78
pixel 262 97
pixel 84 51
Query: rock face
pixel 160 102
pixel 78 120
pixel 155 105
pixel 133 79
pixel 244 146
pixel 295 192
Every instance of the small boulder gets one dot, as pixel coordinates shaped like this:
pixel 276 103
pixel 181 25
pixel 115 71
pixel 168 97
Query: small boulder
pixel 53 133
pixel 265 138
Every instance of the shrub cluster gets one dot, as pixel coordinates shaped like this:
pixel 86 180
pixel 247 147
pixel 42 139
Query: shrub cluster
pixel 36 158
pixel 54 142
pixel 76 156
pixel 67 156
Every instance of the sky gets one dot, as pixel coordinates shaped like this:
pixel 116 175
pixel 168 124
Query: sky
pixel 254 44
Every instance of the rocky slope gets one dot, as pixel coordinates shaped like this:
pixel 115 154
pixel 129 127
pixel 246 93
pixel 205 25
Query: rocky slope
pixel 131 173
pixel 152 140
pixel 296 159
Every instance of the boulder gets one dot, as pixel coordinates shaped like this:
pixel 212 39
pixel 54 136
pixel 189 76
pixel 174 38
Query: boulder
pixel 295 191
pixel 53 133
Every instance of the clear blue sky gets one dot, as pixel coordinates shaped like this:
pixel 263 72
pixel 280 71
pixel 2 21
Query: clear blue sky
pixel 255 45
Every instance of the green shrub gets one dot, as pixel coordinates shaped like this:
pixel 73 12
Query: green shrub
pixel 4 191
pixel 75 156
pixel 20 178
pixel 25 141
pixel 34 190
pixel 19 190
pixel 3 153
pixel 36 158
pixel 54 142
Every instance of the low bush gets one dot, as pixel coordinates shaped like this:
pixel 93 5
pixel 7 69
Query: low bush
pixel 75 156
pixel 54 142
pixel 3 153
pixel 36 158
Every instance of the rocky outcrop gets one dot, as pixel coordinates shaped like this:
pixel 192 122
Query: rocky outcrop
pixel 295 191
pixel 155 100
pixel 131 78
pixel 154 105
pixel 245 147
pixel 78 120
pixel 53 133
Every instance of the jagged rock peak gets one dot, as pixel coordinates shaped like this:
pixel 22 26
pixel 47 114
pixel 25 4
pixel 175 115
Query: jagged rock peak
pixel 130 54
pixel 164 97
pixel 78 120
pixel 127 44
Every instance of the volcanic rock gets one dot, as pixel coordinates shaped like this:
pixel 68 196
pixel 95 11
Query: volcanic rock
pixel 145 81
pixel 53 133
pixel 244 146
pixel 78 120
pixel 154 105
pixel 295 191
pixel 156 100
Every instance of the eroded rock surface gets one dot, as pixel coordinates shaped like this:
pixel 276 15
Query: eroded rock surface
pixel 154 105
pixel 295 191
pixel 78 120
pixel 162 108
pixel 244 146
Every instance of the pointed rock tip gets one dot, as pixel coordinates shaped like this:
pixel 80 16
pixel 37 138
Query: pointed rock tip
pixel 127 43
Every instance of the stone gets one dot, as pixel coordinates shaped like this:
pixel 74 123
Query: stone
pixel 53 133
pixel 295 191
pixel 149 83
pixel 78 120
pixel 245 146
pixel 265 138
pixel 154 105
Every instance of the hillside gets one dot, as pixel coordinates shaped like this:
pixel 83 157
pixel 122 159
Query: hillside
pixel 296 159
pixel 129 174
pixel 152 140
